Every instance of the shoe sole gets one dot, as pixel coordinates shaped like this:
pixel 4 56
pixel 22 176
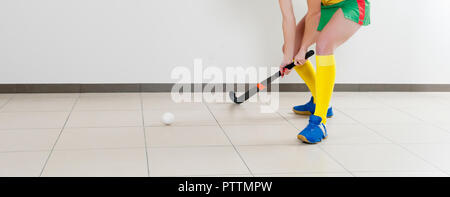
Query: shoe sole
pixel 305 113
pixel 304 140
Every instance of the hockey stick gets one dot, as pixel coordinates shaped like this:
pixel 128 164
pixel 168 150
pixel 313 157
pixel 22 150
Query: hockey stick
pixel 261 86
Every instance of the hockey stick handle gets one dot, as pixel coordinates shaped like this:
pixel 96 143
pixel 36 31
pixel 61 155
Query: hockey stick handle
pixel 308 55
pixel 249 93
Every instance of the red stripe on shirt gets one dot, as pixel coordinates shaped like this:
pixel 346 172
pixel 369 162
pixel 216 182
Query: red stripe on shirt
pixel 362 11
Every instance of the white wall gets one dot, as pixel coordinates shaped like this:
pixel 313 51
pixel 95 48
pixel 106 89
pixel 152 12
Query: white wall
pixel 141 41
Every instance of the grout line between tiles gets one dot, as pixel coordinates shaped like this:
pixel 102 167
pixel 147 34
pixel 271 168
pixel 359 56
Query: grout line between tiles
pixel 401 145
pixel 393 142
pixel 223 130
pixel 145 135
pixel 229 139
pixel 367 171
pixel 308 173
pixel 7 101
pixel 103 127
pixel 34 111
pixel 424 121
pixel 334 159
pixel 75 149
pixel 90 127
pixel 181 146
pixel 399 109
pixel 208 175
pixel 394 171
pixel 25 151
pixel 99 148
pixel 59 136
pixel 106 110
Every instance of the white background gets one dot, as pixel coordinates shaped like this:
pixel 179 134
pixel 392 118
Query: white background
pixel 141 41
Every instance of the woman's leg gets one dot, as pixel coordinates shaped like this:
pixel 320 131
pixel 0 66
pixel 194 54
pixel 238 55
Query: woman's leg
pixel 336 32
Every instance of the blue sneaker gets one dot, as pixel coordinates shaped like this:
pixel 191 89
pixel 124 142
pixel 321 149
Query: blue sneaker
pixel 309 109
pixel 315 132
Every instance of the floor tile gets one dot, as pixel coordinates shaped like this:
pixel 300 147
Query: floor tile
pixel 301 121
pixel 351 94
pixel 288 102
pixel 412 133
pixel 111 95
pixel 3 101
pixel 22 164
pixel 234 107
pixel 295 94
pixel 39 104
pixel 279 101
pixel 223 175
pixel 246 116
pixel 221 100
pixel 7 96
pixel 186 136
pixel 377 95
pixel 28 139
pixel 255 102
pixel 156 95
pixel 379 157
pixel 97 163
pixel 400 174
pixel 32 96
pixel 195 161
pixel 182 118
pixel 105 119
pixel 373 134
pixel 444 99
pixel 185 96
pixel 437 154
pixel 99 138
pixel 358 102
pixel 108 102
pixel 34 120
pixel 167 103
pixel 435 115
pixel 290 115
pixel 352 134
pixel 379 116
pixel 262 134
pixel 413 100
pixel 326 174
pixel 288 159
pixel 153 105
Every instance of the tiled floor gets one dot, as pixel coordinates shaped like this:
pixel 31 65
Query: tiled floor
pixel 121 134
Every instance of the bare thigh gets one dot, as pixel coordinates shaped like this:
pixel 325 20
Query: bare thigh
pixel 335 33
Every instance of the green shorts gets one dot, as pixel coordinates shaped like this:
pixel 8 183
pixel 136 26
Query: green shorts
pixel 354 10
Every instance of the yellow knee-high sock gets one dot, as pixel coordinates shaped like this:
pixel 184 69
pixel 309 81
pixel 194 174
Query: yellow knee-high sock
pixel 326 74
pixel 308 74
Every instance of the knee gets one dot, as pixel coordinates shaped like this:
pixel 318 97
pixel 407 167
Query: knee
pixel 324 47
